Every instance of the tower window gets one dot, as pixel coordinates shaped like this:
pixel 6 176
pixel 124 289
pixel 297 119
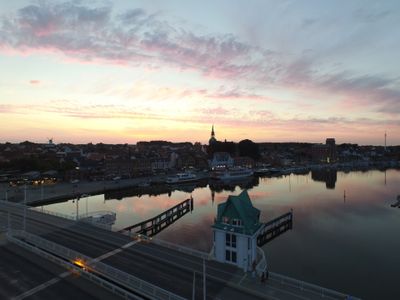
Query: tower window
pixel 237 222
pixel 230 240
pixel 228 255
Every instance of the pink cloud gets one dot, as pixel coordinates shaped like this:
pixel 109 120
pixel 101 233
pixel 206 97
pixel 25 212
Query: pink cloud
pixel 34 81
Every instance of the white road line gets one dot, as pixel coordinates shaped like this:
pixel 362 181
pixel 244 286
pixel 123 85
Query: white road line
pixel 113 252
pixel 244 276
pixel 65 274
pixel 42 286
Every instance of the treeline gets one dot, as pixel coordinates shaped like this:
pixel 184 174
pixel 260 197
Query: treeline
pixel 243 148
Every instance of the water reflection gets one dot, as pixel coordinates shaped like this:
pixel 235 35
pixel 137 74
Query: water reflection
pixel 327 175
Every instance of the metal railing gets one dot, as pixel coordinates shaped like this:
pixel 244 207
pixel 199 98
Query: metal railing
pixel 183 249
pixel 82 218
pixel 262 261
pixel 84 273
pixel 169 245
pixel 305 286
pixel 107 271
pixel 53 213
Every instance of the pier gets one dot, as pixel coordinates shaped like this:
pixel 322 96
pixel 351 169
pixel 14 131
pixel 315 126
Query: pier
pixel 397 203
pixel 275 228
pixel 156 224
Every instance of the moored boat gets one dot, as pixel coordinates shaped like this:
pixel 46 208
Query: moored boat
pixel 181 177
pixel 231 173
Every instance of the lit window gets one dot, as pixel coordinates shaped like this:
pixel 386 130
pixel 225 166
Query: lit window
pixel 225 220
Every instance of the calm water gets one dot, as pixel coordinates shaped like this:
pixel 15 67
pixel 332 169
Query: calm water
pixel 345 234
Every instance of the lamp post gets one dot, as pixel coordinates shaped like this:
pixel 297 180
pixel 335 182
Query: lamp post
pixel 8 214
pixel 204 279
pixel 194 286
pixel 24 221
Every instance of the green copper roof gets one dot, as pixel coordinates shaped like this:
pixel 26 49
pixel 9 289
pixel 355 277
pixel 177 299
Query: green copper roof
pixel 238 207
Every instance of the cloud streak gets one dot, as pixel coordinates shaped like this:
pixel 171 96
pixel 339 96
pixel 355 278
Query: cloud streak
pixel 137 38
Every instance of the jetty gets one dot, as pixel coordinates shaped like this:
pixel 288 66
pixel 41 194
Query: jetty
pixel 396 204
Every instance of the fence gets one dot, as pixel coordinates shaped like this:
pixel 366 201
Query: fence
pixel 305 286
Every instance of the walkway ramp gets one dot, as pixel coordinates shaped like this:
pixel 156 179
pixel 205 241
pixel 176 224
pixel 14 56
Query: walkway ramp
pixel 158 223
pixel 275 228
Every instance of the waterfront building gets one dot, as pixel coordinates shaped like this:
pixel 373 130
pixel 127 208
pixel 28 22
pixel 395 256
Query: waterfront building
pixel 235 232
pixel 221 160
pixel 326 153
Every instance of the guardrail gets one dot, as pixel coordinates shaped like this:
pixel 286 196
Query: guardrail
pixel 262 262
pixel 84 273
pixel 53 213
pixel 182 249
pixel 123 278
pixel 302 285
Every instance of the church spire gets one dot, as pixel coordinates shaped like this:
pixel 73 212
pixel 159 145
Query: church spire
pixel 212 140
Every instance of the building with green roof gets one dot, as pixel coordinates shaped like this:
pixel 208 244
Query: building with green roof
pixel 235 231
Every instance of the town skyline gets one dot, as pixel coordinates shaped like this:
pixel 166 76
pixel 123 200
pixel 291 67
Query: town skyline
pixel 123 72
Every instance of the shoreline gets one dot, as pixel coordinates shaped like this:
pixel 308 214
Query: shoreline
pixel 59 192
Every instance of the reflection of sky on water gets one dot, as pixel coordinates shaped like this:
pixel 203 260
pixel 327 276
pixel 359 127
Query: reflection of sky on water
pixel 347 243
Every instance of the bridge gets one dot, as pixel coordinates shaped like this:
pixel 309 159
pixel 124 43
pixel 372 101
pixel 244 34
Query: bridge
pixel 141 268
pixel 158 223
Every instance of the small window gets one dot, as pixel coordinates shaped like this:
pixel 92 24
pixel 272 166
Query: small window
pixel 228 239
pixel 233 256
pixel 237 222
pixel 228 255
pixel 225 220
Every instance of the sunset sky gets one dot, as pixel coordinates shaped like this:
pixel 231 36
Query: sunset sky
pixel 125 71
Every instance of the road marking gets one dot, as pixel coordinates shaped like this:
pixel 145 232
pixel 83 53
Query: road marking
pixel 67 273
pixel 113 252
pixel 42 286
pixel 244 276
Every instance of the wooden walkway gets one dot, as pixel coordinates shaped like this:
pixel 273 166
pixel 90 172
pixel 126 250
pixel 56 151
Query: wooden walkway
pixel 275 228
pixel 156 224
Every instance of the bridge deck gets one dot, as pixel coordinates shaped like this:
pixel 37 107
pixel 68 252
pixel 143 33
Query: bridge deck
pixel 24 274
pixel 167 268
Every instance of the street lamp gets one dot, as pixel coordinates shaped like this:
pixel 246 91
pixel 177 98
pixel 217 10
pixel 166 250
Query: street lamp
pixel 24 224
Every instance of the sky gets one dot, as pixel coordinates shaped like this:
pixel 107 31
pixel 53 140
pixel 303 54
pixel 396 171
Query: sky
pixel 270 71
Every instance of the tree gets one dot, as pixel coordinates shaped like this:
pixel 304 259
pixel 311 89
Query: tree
pixel 249 148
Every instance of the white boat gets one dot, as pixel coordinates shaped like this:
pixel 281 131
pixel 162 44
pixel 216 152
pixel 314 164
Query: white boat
pixel 232 173
pixel 181 177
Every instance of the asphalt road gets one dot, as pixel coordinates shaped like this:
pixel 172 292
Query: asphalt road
pixel 21 271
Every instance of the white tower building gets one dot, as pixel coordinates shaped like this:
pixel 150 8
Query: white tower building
pixel 235 232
